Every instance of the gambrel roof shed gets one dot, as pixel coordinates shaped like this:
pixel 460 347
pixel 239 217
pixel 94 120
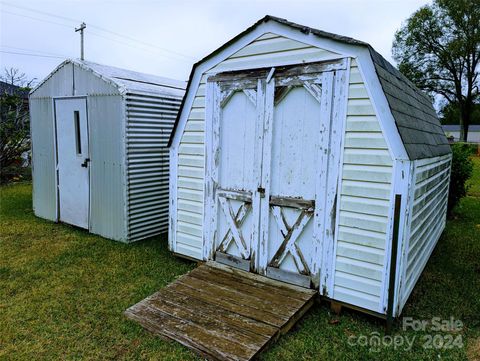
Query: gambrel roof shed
pixel 306 157
pixel 99 148
pixel 412 110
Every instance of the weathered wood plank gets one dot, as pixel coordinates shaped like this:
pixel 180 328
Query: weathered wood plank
pixel 213 322
pixel 239 302
pixel 223 313
pixel 241 281
pixel 245 324
pixel 279 303
pixel 300 292
pixel 190 335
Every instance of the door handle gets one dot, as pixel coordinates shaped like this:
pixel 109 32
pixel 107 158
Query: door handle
pixel 85 163
pixel 261 190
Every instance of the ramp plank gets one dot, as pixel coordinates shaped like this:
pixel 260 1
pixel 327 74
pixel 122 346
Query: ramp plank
pixel 223 313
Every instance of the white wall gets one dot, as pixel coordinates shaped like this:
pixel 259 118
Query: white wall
pixel 364 203
pixel 366 176
pixel 427 217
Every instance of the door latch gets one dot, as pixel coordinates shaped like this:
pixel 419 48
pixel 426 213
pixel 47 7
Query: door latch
pixel 85 163
pixel 261 191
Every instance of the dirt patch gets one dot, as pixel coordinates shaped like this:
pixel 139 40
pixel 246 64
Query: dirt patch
pixel 473 350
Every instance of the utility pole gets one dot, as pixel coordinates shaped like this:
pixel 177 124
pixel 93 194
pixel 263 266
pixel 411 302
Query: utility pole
pixel 81 28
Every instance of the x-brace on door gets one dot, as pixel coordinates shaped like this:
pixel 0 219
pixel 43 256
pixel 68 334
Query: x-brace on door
pixel 270 147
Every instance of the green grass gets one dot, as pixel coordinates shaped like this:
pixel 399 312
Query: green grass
pixel 474 181
pixel 63 292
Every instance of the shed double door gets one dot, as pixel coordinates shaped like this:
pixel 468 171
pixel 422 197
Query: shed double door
pixel 266 178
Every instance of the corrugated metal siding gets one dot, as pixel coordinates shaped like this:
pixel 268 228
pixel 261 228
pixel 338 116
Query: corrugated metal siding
pixel 59 84
pixel 430 197
pixel 364 202
pixel 267 50
pixel 129 155
pixel 150 121
pixel 107 180
pixel 43 158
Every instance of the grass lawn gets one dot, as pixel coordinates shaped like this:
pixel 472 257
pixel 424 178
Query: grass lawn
pixel 63 293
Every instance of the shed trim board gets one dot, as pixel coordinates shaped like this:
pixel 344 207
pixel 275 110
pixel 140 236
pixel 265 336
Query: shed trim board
pixel 375 166
pixel 326 284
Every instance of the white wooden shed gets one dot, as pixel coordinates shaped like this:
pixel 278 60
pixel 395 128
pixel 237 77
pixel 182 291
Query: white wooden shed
pixel 306 157
pixel 99 148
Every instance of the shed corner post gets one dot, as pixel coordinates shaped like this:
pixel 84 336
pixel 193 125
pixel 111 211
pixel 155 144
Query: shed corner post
pixel 172 203
pixel 395 254
pixel 393 262
pixel 125 191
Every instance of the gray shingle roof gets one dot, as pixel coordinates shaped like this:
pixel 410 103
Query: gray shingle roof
pixel 415 117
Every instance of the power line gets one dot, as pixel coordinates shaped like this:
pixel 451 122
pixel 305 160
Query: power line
pixel 101 29
pixel 34 18
pixel 93 33
pixel 31 50
pixel 39 12
pixel 31 54
pixel 151 51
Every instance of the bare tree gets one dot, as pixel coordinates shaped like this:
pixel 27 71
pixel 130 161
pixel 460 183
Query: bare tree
pixel 14 123
pixel 14 76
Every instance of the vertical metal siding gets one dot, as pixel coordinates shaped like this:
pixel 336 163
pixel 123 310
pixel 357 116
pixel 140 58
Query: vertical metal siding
pixel 126 202
pixel 43 159
pixel 59 84
pixel 367 173
pixel 431 180
pixel 150 120
pixel 107 181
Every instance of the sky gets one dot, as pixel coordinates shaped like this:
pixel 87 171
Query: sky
pixel 166 37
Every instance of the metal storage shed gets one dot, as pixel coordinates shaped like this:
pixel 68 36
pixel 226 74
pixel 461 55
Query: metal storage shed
pixel 99 148
pixel 306 157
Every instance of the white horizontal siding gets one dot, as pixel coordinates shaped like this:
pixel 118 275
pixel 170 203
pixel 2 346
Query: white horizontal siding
pixel 364 203
pixel 273 50
pixel 430 197
pixel 190 180
pixel 267 50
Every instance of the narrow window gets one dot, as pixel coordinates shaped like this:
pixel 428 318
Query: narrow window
pixel 78 139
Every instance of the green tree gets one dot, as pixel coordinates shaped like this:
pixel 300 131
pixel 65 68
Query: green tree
pixel 450 113
pixel 14 123
pixel 438 48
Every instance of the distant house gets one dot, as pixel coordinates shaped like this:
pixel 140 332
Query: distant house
pixel 10 89
pixel 453 130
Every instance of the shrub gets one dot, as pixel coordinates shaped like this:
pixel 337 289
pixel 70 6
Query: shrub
pixel 14 135
pixel 462 169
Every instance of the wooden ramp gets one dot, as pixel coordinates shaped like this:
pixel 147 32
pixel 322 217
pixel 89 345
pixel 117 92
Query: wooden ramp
pixel 223 313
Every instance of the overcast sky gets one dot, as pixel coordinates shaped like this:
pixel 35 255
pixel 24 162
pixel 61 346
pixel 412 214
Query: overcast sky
pixel 166 37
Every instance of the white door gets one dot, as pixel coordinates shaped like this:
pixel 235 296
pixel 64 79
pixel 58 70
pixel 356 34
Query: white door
pixel 236 171
pixel 72 160
pixel 273 150
pixel 296 137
